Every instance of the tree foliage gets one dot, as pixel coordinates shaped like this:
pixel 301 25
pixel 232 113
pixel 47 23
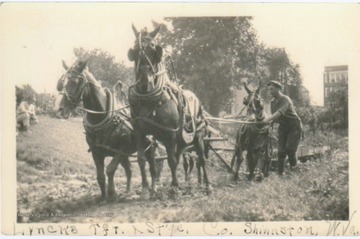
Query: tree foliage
pixel 105 68
pixel 24 92
pixel 215 55
pixel 337 112
pixel 212 55
pixel 281 68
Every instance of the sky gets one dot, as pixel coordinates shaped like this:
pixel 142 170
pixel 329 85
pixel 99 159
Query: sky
pixel 36 37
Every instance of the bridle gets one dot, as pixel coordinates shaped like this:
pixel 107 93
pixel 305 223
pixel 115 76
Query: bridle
pixel 142 46
pixel 251 104
pixel 73 99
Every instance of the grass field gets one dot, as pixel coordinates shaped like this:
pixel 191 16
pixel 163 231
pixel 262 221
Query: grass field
pixel 56 182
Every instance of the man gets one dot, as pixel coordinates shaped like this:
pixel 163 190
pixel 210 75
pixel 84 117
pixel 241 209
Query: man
pixel 290 127
pixel 120 96
pixel 24 113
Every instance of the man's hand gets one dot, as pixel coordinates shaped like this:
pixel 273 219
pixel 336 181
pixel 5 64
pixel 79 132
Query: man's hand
pixel 267 120
pixel 272 117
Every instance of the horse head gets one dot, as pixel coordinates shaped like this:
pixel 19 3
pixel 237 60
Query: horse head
pixel 146 55
pixel 71 87
pixel 254 103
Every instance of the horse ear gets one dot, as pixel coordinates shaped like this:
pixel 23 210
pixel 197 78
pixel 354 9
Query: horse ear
pixel 82 65
pixel 64 65
pixel 134 30
pixel 155 32
pixel 131 54
pixel 247 89
pixel 159 53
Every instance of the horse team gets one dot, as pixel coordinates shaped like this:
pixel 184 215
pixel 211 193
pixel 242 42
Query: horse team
pixel 160 109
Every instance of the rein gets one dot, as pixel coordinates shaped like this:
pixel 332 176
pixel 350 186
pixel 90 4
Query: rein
pixel 75 102
pixel 102 112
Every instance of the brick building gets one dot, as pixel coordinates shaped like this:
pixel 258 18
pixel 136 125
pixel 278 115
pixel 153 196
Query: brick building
pixel 334 77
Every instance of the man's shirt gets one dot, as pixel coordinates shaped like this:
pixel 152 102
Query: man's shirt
pixel 284 105
pixel 22 108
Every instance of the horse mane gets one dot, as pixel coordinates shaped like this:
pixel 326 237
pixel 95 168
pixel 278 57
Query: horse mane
pixel 91 78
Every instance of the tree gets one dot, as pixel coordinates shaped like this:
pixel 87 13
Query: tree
pixel 337 109
pixel 46 103
pixel 212 55
pixel 105 68
pixel 24 92
pixel 282 69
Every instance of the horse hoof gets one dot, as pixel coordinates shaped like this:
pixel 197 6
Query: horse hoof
pixel 111 197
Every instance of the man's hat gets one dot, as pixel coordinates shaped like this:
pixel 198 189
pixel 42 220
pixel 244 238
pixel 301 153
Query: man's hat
pixel 276 84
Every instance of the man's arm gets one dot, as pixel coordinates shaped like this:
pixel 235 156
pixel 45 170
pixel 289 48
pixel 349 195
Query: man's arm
pixel 272 117
pixel 284 105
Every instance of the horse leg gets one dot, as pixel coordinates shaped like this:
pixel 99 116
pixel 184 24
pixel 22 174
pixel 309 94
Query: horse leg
pixel 198 166
pixel 267 159
pixel 99 163
pixel 125 163
pixel 142 161
pixel 250 162
pixel 172 160
pixel 150 155
pixel 110 172
pixel 191 161
pixel 234 157
pixel 237 150
pixel 259 165
pixel 186 167
pixel 199 146
pixel 238 157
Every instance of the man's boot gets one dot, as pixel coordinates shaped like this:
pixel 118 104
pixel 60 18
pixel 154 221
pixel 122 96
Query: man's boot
pixel 292 161
pixel 281 165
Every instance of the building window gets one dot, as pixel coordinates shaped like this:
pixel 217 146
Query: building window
pixel 332 78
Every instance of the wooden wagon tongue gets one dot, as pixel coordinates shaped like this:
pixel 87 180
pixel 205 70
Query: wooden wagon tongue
pixel 222 120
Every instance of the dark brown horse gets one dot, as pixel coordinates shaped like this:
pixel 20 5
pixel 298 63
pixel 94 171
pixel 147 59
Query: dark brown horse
pixel 108 133
pixel 253 138
pixel 159 107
